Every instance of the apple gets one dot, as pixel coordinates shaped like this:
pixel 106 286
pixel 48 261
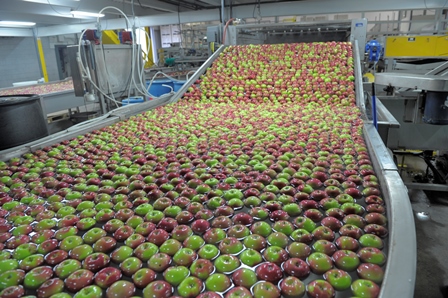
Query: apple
pixel 350 231
pixel 278 239
pixel 347 243
pixel 209 294
pixel 11 278
pixel 50 288
pixel 376 229
pixel 37 276
pixel 320 288
pixel 143 277
pixel 222 222
pixel 202 268
pixel 371 272
pixel 244 277
pixel 214 235
pixel 181 232
pixel 323 233
pixel 55 257
pixel 239 231
pixel 269 272
pixel 200 226
pixel 298 250
pixel 171 246
pixel 217 282
pixel 70 242
pixel 159 262
pixel 107 276
pixel 190 287
pixel 250 257
pixel 158 237
pixel 90 291
pixel 158 288
pixel 66 267
pixel 365 288
pixel 265 289
pixel 371 240
pixel 238 292
pixel 319 263
pixel 208 251
pixel 230 245
pixel 80 252
pixel 296 267
pixel 121 288
pixel 292 287
pixel 31 262
pixel 226 263
pixel 372 255
pixel 93 235
pixel 324 246
pixel 184 257
pixel 96 261
pixel 302 236
pixel 9 264
pixel 346 260
pixel 12 292
pixel 122 233
pixel 339 279
pixel 130 265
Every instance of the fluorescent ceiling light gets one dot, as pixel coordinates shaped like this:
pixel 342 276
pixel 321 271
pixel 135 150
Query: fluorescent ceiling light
pixel 86 14
pixel 52 2
pixel 19 24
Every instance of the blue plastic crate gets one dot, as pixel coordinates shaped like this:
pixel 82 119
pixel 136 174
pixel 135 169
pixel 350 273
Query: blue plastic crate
pixel 132 100
pixel 178 84
pixel 157 89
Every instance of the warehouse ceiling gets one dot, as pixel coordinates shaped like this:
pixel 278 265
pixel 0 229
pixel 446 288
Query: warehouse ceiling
pixel 58 12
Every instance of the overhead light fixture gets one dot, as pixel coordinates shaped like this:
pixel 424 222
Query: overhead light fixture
pixel 16 24
pixel 53 2
pixel 80 13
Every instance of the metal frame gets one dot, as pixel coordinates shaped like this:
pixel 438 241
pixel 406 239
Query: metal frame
pixel 400 271
pixel 399 278
pixel 55 101
pixel 413 81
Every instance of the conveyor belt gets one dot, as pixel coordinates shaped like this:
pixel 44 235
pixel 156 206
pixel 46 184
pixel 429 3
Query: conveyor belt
pixel 400 269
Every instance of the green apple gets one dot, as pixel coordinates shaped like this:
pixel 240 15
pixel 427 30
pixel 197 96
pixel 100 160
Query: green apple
pixel 176 274
pixel 92 291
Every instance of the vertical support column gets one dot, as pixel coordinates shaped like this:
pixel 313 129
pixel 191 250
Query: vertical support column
pixel 222 12
pixel 149 56
pixel 42 59
pixel 437 27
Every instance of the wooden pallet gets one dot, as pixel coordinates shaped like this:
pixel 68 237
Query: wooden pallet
pixel 57 117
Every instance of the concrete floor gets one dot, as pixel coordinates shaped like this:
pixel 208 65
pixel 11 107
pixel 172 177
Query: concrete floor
pixel 432 238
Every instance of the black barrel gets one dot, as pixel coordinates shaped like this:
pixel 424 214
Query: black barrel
pixel 21 120
pixel 436 109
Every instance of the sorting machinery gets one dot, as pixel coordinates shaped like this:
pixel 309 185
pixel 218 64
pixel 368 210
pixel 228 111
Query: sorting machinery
pixel 414 89
pixel 401 245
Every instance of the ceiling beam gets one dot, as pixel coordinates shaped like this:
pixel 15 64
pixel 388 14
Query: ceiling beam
pixel 212 2
pixel 159 5
pixel 245 11
pixel 331 6
pixel 146 21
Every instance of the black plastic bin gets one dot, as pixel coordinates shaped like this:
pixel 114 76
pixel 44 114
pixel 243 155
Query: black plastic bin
pixel 21 120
